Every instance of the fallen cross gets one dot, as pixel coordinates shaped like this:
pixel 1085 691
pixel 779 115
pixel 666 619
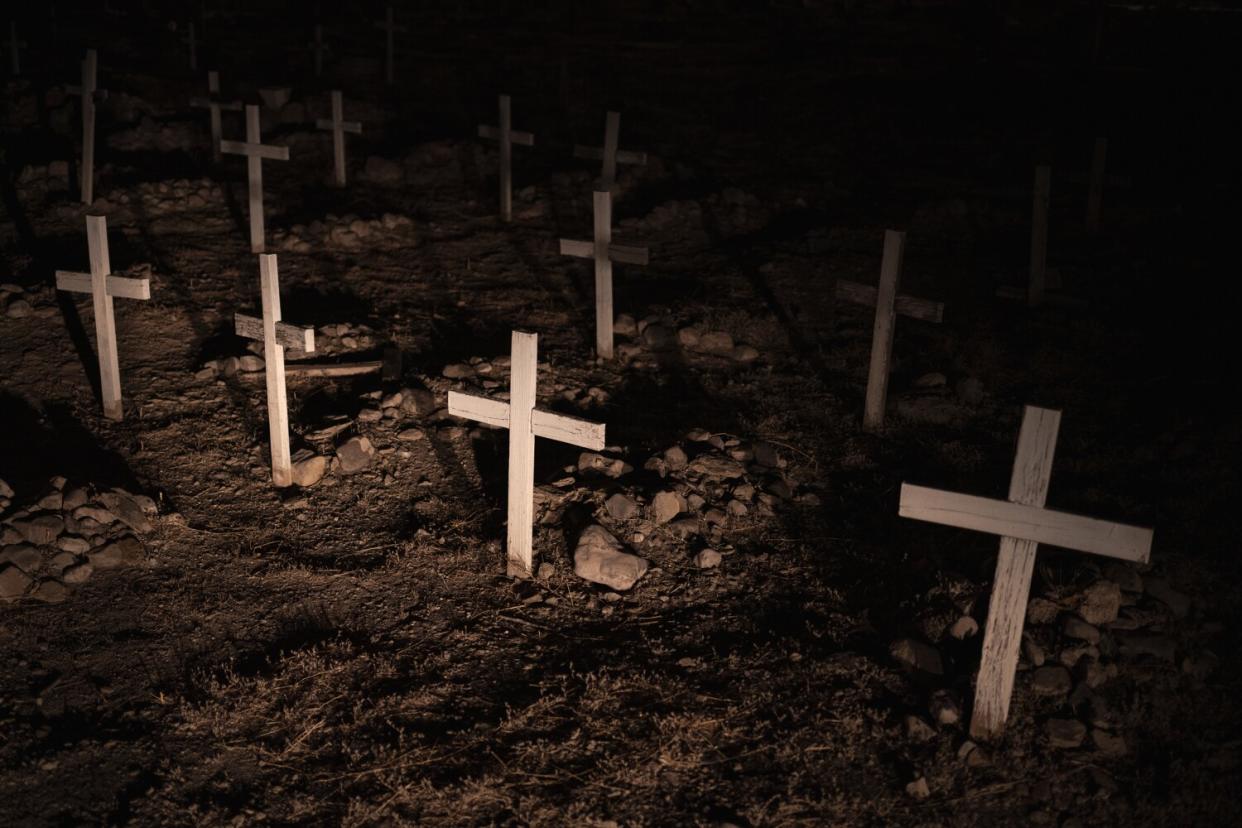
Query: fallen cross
pixel 213 104
pixel 339 127
pixel 1023 523
pixel 604 252
pixel 506 137
pixel 608 153
pixel 255 151
pixel 390 29
pixel 275 336
pixel 525 423
pixel 91 95
pixel 102 285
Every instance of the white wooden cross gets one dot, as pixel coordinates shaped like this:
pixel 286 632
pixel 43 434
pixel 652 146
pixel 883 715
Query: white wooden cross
pixel 609 154
pixel 255 151
pixel 1023 523
pixel 15 47
pixel 390 29
pixel 604 252
pixel 525 423
pixel 191 41
pixel 506 137
pixel 318 47
pixel 339 127
pixel 275 336
pixel 213 104
pixel 90 95
pixel 102 285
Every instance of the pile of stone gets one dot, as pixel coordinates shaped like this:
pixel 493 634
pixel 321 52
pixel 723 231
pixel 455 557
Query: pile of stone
pixel 173 196
pixel 657 333
pixel 65 535
pixel 330 340
pixel 148 134
pixel 38 179
pixel 17 302
pixel 349 232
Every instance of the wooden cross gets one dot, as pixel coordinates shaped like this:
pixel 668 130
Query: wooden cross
pixel 15 47
pixel 102 285
pixel 339 127
pixel 525 423
pixel 506 137
pixel 191 41
pixel 1023 523
pixel 609 154
pixel 318 47
pixel 213 104
pixel 604 252
pixel 275 336
pixel 390 29
pixel 255 151
pixel 90 95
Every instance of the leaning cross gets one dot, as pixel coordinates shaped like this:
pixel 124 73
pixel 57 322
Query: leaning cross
pixel 90 95
pixel 255 151
pixel 390 29
pixel 339 127
pixel 888 304
pixel 1023 523
pixel 275 336
pixel 506 137
pixel 102 285
pixel 213 104
pixel 525 423
pixel 604 252
pixel 609 154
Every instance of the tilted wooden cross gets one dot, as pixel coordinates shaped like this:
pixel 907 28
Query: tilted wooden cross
pixel 1043 282
pixel 604 252
pixel 255 151
pixel 339 127
pixel 214 104
pixel 91 94
pixel 525 423
pixel 103 286
pixel 1023 523
pixel 506 137
pixel 275 336
pixel 15 47
pixel 390 29
pixel 609 154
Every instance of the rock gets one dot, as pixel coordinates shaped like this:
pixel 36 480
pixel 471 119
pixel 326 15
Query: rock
pixel 52 501
pixel 1065 733
pixel 22 555
pixel 621 507
pixel 77 573
pixel 944 707
pixel 1053 680
pixel 41 530
pixel 418 402
pixel 1100 603
pixel 737 508
pixel 6 490
pixel 250 363
pixel 659 337
pixel 1177 602
pixel 589 461
pixel 18 309
pixel 96 513
pixel 964 627
pixel 74 498
pixel 918 788
pixel 918 655
pixel 676 458
pixel 545 571
pixel 1070 656
pixel 768 455
pixel 410 435
pixel 127 509
pixel 457 370
pixel 382 171
pixel 13 582
pixel 919 730
pixel 716 467
pixel 355 454
pixel 370 415
pixel 1124 576
pixel 745 353
pixel 124 552
pixel 707 559
pixel 667 505
pixel 716 342
pixel 1109 743
pixel 599 558
pixel 683 528
pixel 392 400
pixel 1033 651
pixel 932 380
pixel 1156 646
pixel 1081 630
pixel 688 338
pixel 50 591
pixel 1041 611
pixel 308 468
pixel 625 325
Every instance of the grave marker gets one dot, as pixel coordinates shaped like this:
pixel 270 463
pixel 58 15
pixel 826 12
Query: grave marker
pixel 275 336
pixel 103 286
pixel 506 137
pixel 214 104
pixel 604 252
pixel 609 154
pixel 1095 190
pixel 1023 523
pixel 90 94
pixel 339 127
pixel 525 423
pixel 390 29
pixel 255 151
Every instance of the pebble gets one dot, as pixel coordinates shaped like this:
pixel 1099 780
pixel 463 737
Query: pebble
pixel 1052 680
pixel 621 507
pixel 418 402
pixel 707 559
pixel 918 655
pixel 599 558
pixel 964 627
pixel 458 370
pixel 590 461
pixel 393 400
pixel 410 435
pixel 944 707
pixel 918 788
pixel 667 505
pixel 355 455
pixel 918 730
pixel 308 468
pixel 716 342
pixel 1065 733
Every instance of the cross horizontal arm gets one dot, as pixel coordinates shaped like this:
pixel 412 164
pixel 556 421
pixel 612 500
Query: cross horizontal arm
pixel 121 287
pixel 1000 517
pixel 861 294
pixel 347 126
pixel 566 429
pixel 290 336
pixel 524 138
pixel 620 253
pixel 480 409
pixel 260 150
pixel 207 103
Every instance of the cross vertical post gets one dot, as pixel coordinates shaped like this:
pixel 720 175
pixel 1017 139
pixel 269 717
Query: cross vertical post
pixel 522 389
pixel 506 159
pixel 603 274
pixel 90 77
pixel 1039 236
pixel 1095 189
pixel 274 359
pixel 390 29
pixel 214 105
pixel 608 153
pixel 882 334
pixel 339 127
pixel 255 151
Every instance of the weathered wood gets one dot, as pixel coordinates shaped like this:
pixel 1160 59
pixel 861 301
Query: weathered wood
pixel 882 335
pixel 339 126
pixel 89 90
pixel 858 293
pixel 214 105
pixel 481 409
pixel 566 429
pixel 390 29
pixel 1095 189
pixel 619 253
pixel 255 151
pixel 103 286
pixel 1037 284
pixel 504 134
pixel 289 336
pixel 608 153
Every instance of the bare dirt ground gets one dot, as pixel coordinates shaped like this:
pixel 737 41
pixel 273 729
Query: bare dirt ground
pixel 350 653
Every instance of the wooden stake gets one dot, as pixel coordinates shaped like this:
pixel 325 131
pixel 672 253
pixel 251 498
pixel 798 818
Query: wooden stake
pixel 213 105
pixel 1022 523
pixel 339 127
pixel 1039 236
pixel 90 92
pixel 255 151
pixel 1095 190
pixel 882 335
pixel 103 286
pixel 609 154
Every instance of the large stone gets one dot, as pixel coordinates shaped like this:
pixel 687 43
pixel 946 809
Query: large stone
pixel 1065 733
pixel 1100 603
pixel 590 461
pixel 355 454
pixel 621 507
pixel 308 468
pixel 918 655
pixel 1177 602
pixel 78 572
pixel 667 505
pixel 50 591
pixel 599 558
pixel 418 402
pixel 1052 680
pixel 21 555
pixel 13 582
pixel 707 559
pixel 127 510
pixel 659 337
pixel 717 467
pixel 716 342
pixel 99 514
pixel 41 530
pixel 124 552
pixel 382 171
